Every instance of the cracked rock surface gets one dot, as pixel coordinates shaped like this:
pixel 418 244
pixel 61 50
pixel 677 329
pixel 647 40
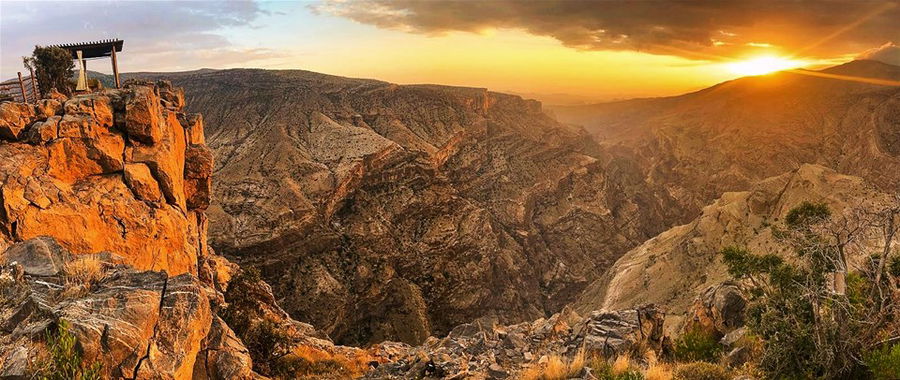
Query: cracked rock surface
pixel 107 172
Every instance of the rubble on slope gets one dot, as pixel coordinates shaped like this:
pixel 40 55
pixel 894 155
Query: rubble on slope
pixel 484 349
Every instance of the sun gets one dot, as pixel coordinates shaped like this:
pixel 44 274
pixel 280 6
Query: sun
pixel 763 65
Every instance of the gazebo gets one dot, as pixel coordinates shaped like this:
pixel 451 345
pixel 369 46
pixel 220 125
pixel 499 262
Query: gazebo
pixel 90 50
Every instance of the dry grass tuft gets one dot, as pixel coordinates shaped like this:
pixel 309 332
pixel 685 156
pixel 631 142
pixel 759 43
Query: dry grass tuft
pixel 555 368
pixel 658 371
pixel 621 365
pixel 321 363
pixel 80 275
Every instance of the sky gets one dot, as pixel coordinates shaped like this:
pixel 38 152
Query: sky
pixel 559 51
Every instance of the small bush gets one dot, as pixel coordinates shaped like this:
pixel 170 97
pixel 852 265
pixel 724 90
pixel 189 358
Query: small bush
pixel 697 345
pixel 557 368
pixel 884 363
pixel 64 361
pixel 700 371
pixel 894 266
pixel 294 367
pixel 807 214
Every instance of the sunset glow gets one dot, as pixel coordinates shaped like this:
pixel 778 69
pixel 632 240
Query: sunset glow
pixel 573 54
pixel 764 65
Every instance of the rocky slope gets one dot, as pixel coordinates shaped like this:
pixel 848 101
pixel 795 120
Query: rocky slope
pixel 103 235
pixel 380 211
pixel 673 268
pixel 116 183
pixel 725 138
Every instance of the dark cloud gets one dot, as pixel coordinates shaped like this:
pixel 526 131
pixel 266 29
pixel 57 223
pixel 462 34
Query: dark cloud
pixel 887 53
pixel 694 29
pixel 155 32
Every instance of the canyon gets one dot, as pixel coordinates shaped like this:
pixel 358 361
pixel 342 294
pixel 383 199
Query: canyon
pixel 406 230
pixel 391 212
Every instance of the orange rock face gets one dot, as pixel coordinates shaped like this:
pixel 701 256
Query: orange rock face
pixel 107 172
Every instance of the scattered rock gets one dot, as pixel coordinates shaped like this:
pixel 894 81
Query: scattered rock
pixel 737 357
pixel 484 349
pixel 732 337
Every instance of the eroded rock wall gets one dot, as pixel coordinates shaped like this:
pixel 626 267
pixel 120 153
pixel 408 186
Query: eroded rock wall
pixel 103 230
pixel 114 171
pixel 385 212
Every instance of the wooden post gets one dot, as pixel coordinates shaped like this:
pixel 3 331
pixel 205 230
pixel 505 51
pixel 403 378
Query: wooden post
pixel 34 89
pixel 115 64
pixel 22 87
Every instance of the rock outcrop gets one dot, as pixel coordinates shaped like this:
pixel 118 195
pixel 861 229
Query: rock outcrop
pixel 672 269
pixel 103 233
pixel 719 309
pixel 386 212
pixel 106 172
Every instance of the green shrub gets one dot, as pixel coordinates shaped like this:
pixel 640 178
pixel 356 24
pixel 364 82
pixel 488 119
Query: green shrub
pixel 807 214
pixel 64 361
pixel 53 66
pixel 807 329
pixel 697 345
pixel 894 266
pixel 884 363
pixel 700 371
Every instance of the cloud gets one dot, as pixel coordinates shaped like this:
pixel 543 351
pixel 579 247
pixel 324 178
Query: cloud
pixel 887 53
pixel 692 29
pixel 149 28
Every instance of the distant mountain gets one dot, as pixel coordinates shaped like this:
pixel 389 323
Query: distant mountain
pixel 726 137
pixel 379 211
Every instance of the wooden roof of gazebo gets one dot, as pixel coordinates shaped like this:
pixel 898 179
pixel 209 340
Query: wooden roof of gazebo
pixel 95 49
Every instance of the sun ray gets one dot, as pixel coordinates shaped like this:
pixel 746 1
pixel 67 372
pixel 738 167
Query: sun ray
pixel 882 82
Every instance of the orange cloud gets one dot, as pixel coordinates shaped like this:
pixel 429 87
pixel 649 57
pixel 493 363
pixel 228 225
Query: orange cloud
pixel 686 28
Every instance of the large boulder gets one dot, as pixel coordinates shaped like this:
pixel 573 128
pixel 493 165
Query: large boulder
pixel 116 323
pixel 141 182
pixel 40 256
pixel 224 356
pixel 143 114
pixel 198 169
pixel 41 132
pixel 14 117
pixel 718 309
pixel 184 321
pixel 613 333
